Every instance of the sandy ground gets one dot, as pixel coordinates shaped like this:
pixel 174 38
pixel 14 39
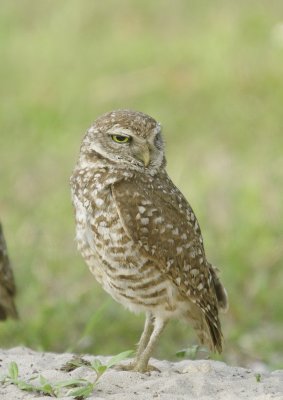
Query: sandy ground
pixel 205 380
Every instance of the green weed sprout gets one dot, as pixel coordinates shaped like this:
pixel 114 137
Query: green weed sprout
pixel 79 389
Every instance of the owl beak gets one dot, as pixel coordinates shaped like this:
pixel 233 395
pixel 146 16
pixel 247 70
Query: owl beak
pixel 144 156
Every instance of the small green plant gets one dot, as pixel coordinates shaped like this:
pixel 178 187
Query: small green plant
pixel 258 377
pixel 79 389
pixel 13 377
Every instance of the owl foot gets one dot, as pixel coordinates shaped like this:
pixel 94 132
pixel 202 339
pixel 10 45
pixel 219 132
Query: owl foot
pixel 147 368
pixel 136 367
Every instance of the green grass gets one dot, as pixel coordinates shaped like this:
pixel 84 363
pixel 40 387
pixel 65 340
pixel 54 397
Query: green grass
pixel 211 72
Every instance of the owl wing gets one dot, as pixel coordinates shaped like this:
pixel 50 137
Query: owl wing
pixel 157 217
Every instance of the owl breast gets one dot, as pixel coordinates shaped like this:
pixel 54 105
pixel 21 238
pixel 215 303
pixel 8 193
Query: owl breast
pixel 115 260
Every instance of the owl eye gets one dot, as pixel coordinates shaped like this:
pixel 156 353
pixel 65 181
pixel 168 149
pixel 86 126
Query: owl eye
pixel 120 138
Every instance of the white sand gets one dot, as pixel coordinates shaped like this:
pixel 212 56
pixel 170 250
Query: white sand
pixel 205 380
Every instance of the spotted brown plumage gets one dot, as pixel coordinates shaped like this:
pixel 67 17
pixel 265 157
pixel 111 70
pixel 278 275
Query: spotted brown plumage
pixel 138 234
pixel 7 283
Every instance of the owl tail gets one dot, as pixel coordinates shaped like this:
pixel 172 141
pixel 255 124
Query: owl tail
pixel 221 293
pixel 215 341
pixel 208 329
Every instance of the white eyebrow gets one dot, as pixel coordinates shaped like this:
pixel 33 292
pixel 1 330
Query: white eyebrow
pixel 118 130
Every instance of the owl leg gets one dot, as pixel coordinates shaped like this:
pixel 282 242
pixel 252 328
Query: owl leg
pixel 141 364
pixel 143 342
pixel 147 331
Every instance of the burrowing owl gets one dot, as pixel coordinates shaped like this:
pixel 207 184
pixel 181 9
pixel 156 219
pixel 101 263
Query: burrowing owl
pixel 7 284
pixel 138 234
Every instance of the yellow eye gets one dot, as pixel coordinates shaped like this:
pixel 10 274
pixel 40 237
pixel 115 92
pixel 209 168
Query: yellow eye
pixel 120 138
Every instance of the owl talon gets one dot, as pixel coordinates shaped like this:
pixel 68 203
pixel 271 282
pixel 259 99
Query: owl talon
pixel 123 367
pixel 148 368
pixel 136 368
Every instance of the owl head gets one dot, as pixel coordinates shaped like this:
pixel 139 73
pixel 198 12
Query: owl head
pixel 128 139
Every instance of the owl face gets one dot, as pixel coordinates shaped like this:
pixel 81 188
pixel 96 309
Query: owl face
pixel 127 138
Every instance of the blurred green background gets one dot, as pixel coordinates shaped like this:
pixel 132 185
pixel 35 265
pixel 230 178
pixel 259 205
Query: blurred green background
pixel 212 74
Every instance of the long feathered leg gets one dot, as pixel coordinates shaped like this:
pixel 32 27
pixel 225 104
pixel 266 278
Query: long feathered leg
pixel 145 337
pixel 142 362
